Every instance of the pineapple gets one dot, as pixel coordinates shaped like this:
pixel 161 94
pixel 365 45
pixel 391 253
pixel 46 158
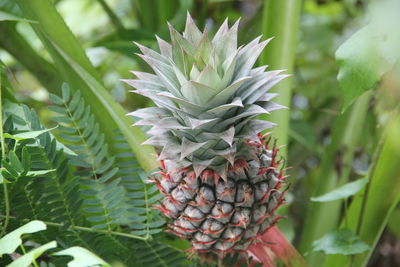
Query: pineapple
pixel 220 177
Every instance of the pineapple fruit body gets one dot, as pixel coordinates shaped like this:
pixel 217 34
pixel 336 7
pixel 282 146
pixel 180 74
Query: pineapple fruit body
pixel 228 215
pixel 220 177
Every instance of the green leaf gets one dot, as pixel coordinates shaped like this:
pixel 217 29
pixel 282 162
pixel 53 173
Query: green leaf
pixel 56 99
pixel 28 258
pixel 26 160
pixel 394 222
pixel 132 134
pixel 303 133
pixel 4 16
pixel 369 53
pixel 65 149
pixel 70 59
pixel 65 92
pixel 342 192
pixel 15 163
pixel 11 241
pixel 341 241
pixel 82 257
pixel 27 135
pixel 39 173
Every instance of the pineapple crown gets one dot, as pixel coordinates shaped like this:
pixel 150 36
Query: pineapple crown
pixel 207 96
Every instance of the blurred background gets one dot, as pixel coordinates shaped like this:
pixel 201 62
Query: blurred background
pixel 107 28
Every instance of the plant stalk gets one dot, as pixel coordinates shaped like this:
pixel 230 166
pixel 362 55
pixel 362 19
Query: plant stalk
pixel 378 203
pixel 113 18
pixel 147 11
pixel 324 216
pixel 3 157
pixel 378 151
pixel 280 20
pixel 87 229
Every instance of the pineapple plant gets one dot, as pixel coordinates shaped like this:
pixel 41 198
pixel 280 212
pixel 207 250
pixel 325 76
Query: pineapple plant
pixel 220 176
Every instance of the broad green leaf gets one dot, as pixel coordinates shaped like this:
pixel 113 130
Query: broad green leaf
pixel 28 258
pixel 82 257
pixel 11 241
pixel 342 192
pixel 70 59
pixel 27 135
pixel 341 241
pixel 370 52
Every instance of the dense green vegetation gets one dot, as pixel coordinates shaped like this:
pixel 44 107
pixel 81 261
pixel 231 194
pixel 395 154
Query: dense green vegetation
pixel 73 170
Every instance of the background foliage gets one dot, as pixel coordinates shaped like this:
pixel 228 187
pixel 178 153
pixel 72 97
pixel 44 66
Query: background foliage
pixel 73 170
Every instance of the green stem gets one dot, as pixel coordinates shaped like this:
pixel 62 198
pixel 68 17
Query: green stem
pixel 322 217
pixel 114 19
pixel 24 252
pixel 367 188
pixel 7 204
pixel 147 11
pixel 3 157
pixel 383 197
pixel 166 11
pixel 23 249
pixel 87 229
pixel 346 208
pixel 366 194
pixel 280 20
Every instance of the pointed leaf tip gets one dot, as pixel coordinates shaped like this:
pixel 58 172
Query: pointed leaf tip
pixel 188 147
pixel 235 26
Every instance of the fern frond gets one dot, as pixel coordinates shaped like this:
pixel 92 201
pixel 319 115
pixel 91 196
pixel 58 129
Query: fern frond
pixel 140 196
pixel 96 201
pixel 155 253
pixel 100 190
pixel 55 197
pixel 114 192
pixel 52 196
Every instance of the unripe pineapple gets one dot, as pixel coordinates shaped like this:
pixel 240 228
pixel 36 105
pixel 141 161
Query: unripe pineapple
pixel 220 177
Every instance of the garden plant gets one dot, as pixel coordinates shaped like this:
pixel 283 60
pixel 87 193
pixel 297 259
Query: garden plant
pixel 199 133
